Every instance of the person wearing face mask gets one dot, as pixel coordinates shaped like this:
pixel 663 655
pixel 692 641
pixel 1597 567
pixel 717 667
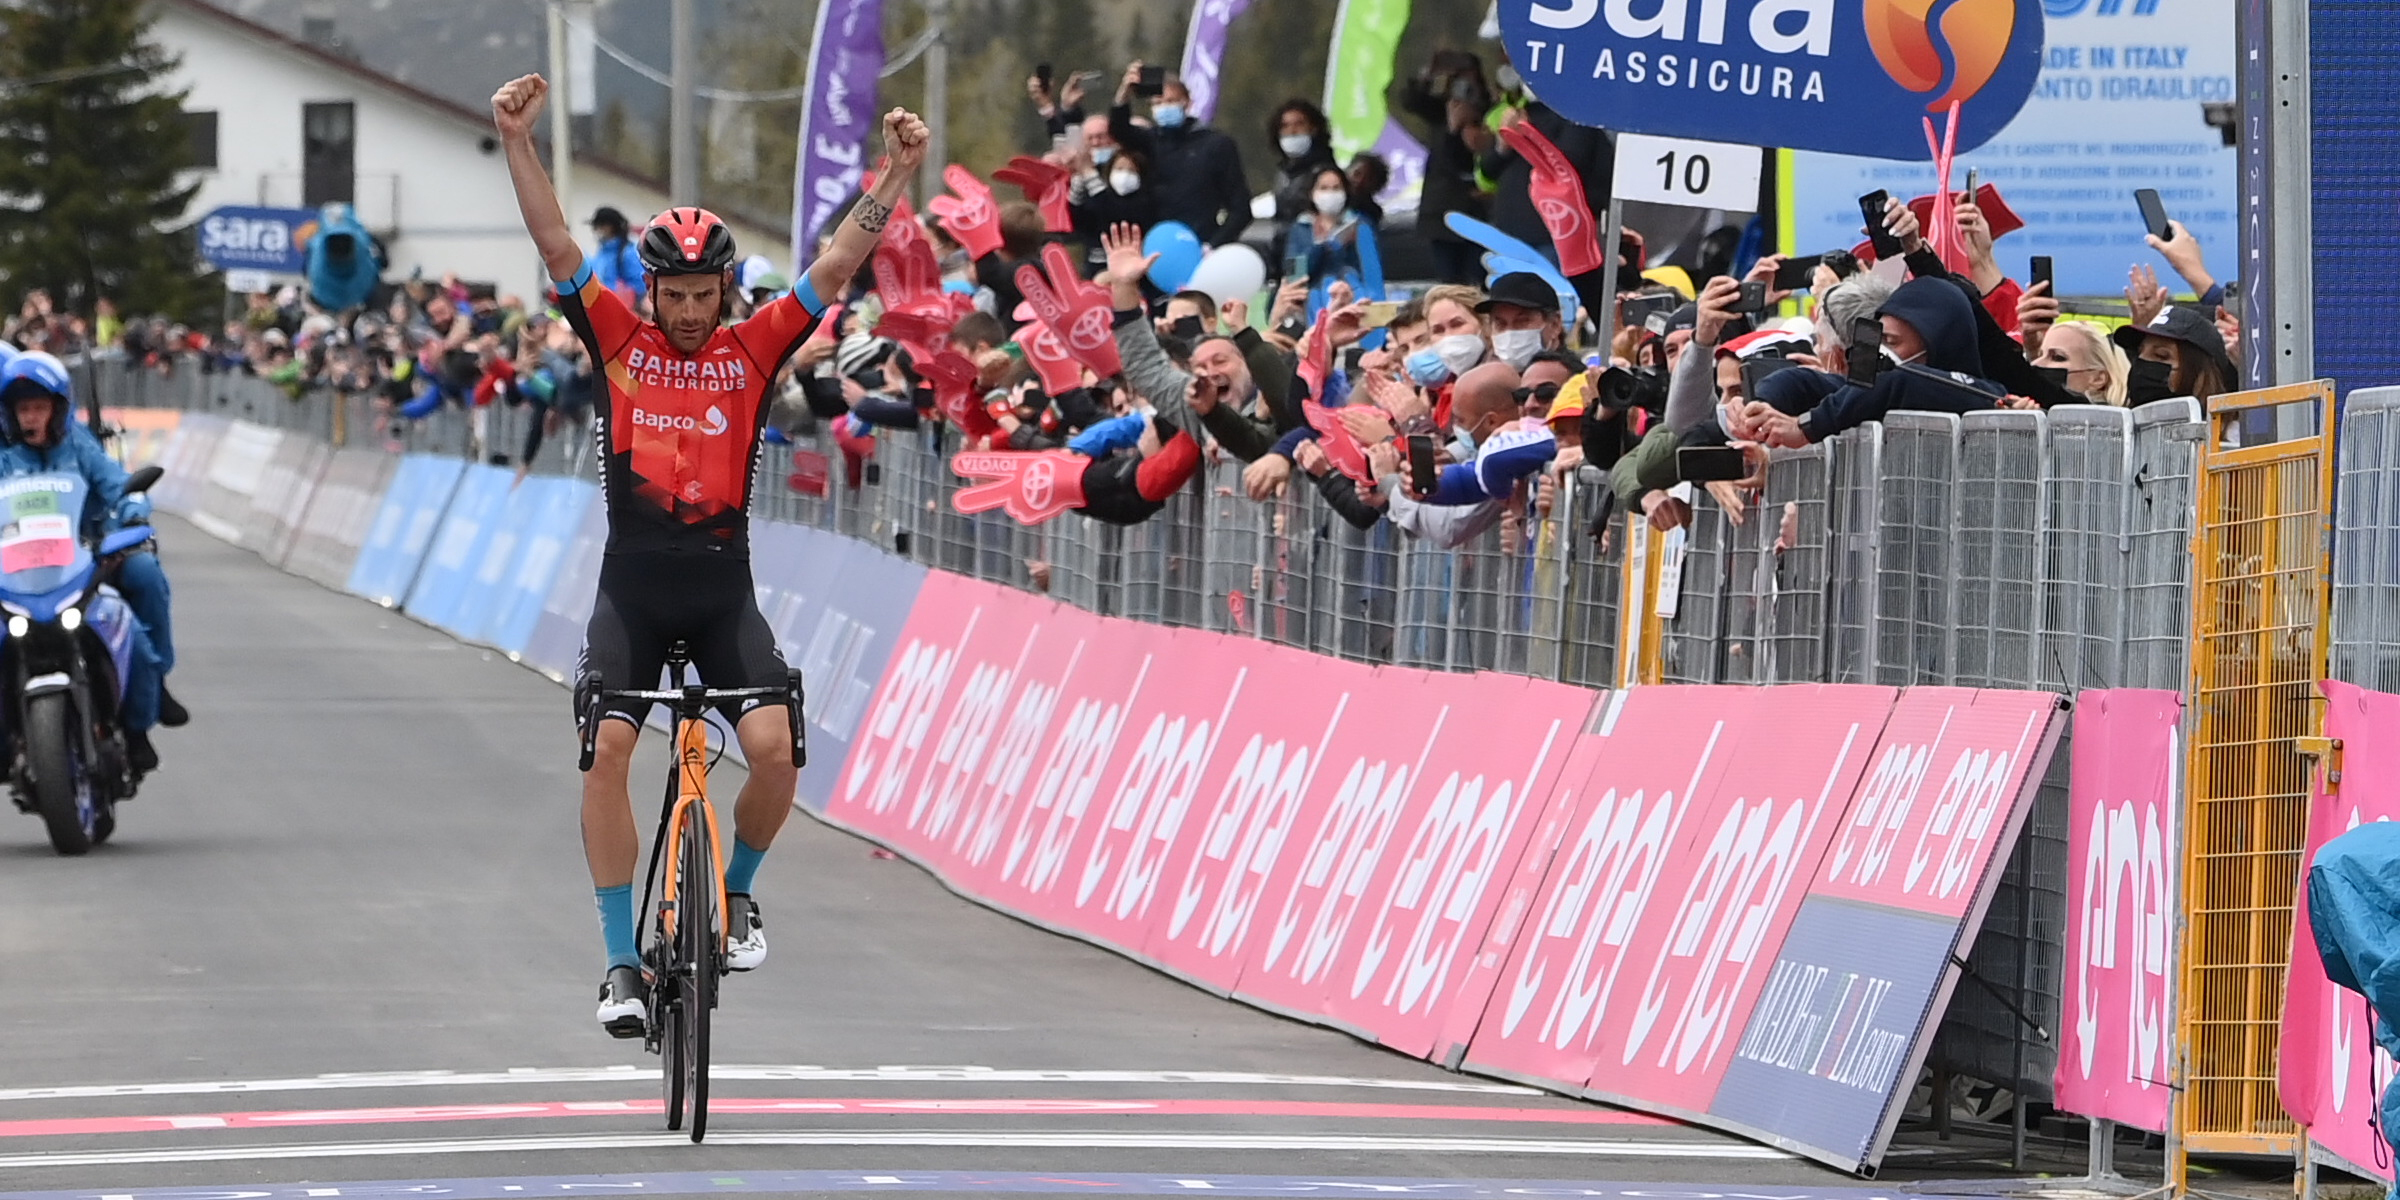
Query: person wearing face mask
pixel 1450 344
pixel 1331 245
pixel 1303 146
pixel 2079 356
pixel 2178 353
pixel 1495 445
pixel 1195 171
pixel 1110 188
pixel 1523 312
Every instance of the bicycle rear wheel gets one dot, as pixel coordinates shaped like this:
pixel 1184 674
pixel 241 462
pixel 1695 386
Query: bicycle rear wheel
pixel 696 935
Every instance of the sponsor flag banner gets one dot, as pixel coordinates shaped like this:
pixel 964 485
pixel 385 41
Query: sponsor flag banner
pixel 838 120
pixel 1358 70
pixel 2116 1061
pixel 2332 1073
pixel 1204 53
pixel 1847 76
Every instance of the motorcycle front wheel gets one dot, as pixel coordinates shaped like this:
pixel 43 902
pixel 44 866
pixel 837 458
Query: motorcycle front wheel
pixel 60 790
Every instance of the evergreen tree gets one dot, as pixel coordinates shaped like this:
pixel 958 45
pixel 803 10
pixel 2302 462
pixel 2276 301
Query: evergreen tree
pixel 92 154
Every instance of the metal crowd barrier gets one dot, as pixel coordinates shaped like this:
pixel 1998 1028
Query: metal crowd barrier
pixel 2004 549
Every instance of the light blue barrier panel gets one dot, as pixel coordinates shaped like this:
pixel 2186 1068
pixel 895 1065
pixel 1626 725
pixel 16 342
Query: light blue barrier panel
pixel 441 592
pixel 837 607
pixel 404 527
pixel 189 451
pixel 557 637
pixel 550 517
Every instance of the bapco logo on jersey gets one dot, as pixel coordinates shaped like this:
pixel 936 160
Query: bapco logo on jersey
pixel 711 423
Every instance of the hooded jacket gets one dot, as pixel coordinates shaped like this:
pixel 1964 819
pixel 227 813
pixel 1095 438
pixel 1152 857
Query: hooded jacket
pixel 1949 378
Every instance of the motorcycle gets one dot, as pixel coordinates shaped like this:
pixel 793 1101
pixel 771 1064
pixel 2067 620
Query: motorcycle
pixel 66 654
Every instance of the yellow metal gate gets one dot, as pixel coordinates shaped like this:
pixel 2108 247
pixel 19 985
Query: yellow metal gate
pixel 2260 560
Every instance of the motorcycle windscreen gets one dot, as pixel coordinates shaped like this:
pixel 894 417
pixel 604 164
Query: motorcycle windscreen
pixel 39 550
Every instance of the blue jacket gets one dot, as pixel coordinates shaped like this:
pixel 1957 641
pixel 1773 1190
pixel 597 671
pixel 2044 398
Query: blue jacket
pixel 78 453
pixel 616 264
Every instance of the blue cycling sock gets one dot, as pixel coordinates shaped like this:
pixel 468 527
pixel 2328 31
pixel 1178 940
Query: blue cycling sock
pixel 616 925
pixel 742 867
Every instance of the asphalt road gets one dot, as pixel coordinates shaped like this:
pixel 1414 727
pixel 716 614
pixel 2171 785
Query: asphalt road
pixel 346 936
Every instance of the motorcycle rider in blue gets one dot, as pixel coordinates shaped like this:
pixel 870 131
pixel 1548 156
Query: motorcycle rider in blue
pixel 36 417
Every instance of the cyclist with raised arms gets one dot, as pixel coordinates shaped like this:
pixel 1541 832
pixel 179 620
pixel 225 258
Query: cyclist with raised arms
pixel 679 436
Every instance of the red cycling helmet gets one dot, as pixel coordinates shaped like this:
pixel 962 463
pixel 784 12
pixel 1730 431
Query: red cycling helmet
pixel 687 241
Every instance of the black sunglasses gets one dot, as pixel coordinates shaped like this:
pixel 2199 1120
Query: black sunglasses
pixel 1544 392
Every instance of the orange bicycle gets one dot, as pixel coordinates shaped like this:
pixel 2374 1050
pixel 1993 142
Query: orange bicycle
pixel 685 956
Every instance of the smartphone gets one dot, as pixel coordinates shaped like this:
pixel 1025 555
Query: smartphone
pixel 1870 206
pixel 2041 269
pixel 1866 350
pixel 1974 181
pixel 1379 314
pixel 1796 273
pixel 1755 372
pixel 1710 464
pixel 1153 81
pixel 1421 474
pixel 1637 310
pixel 1753 297
pixel 1041 71
pixel 2154 214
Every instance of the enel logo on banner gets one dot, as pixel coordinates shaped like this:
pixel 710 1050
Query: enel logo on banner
pixel 1846 76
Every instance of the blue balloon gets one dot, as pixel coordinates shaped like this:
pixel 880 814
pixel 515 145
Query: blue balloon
pixel 1178 250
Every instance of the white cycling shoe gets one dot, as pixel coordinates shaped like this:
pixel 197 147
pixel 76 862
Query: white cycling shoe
pixel 745 933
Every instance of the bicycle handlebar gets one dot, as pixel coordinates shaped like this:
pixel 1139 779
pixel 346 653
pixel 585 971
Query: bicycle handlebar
pixel 706 693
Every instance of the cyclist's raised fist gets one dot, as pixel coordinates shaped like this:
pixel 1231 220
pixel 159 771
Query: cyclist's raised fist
pixel 518 103
pixel 905 138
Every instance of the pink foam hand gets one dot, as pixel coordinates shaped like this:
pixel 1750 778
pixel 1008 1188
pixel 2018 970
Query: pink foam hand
pixel 1316 363
pixel 1044 184
pixel 1558 196
pixel 921 335
pixel 1078 309
pixel 1031 487
pixel 953 379
pixel 1336 440
pixel 1941 232
pixel 1048 354
pixel 971 215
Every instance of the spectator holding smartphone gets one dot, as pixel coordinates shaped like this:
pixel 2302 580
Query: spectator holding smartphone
pixel 1196 171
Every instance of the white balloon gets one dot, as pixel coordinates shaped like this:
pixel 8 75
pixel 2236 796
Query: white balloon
pixel 1233 272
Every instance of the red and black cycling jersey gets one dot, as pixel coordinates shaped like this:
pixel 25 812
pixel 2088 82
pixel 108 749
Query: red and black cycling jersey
pixel 679 435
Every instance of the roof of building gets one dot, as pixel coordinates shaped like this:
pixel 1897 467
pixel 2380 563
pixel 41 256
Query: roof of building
pixel 419 96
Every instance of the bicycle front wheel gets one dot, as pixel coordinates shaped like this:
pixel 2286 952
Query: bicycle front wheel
pixel 697 945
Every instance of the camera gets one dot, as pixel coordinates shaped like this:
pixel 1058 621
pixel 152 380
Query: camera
pixel 1642 387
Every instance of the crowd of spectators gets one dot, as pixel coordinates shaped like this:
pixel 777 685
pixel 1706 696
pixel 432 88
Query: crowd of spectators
pixel 1448 409
pixel 1459 408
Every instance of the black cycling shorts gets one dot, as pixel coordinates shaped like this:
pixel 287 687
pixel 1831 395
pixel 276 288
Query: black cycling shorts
pixel 706 601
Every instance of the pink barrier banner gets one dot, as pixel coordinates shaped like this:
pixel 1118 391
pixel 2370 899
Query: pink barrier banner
pixel 2331 1073
pixel 2123 810
pixel 1753 898
pixel 1700 811
pixel 1727 904
pixel 1326 838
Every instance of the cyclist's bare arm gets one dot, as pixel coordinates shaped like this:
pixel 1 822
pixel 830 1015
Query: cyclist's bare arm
pixel 515 108
pixel 904 137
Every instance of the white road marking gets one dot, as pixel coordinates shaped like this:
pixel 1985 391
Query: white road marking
pixel 537 1076
pixel 983 1138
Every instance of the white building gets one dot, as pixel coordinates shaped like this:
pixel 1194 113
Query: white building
pixel 295 125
